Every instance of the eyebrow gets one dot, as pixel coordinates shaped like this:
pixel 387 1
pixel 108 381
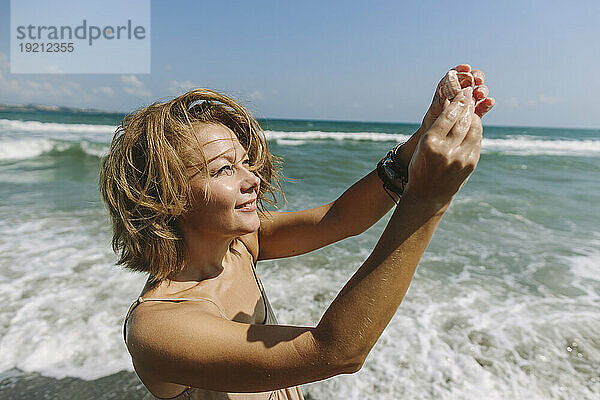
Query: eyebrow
pixel 226 154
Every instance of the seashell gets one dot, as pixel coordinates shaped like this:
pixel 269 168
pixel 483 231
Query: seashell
pixel 453 82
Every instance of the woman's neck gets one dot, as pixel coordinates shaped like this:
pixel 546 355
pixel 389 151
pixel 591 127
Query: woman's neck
pixel 204 259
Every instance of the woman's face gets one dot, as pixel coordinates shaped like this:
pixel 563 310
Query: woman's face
pixel 230 210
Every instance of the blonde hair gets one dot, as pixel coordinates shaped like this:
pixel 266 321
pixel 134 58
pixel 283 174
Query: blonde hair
pixel 143 178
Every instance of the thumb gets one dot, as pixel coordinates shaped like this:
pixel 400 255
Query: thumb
pixel 437 106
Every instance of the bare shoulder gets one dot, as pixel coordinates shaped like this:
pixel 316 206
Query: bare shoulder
pixel 176 347
pixel 141 327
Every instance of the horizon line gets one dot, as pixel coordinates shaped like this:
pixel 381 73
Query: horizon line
pixel 54 108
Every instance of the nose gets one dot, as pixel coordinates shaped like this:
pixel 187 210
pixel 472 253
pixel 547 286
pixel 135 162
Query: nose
pixel 251 181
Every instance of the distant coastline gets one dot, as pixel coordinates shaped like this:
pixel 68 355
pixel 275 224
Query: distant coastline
pixel 57 114
pixel 40 107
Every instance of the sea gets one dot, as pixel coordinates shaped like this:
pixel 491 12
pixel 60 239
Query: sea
pixel 505 303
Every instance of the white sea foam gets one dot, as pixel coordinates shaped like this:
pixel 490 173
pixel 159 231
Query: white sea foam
pixel 354 136
pixel 24 131
pixel 288 142
pixel 465 336
pixel 521 145
pixel 24 148
pixel 57 280
pixel 524 145
pixel 51 127
pixel 94 149
pixel 507 310
pixel 17 149
pixel 27 139
pixel 586 266
pixel 470 336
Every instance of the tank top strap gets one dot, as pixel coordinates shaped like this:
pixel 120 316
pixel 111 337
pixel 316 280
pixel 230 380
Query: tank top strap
pixel 141 300
pixel 268 310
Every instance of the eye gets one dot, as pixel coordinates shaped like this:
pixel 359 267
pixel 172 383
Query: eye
pixel 226 169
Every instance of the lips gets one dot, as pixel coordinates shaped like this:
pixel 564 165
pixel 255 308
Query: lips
pixel 248 204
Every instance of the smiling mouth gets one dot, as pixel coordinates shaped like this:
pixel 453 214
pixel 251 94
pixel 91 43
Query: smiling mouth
pixel 247 206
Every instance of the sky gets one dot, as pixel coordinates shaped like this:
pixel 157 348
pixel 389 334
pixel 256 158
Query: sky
pixel 349 60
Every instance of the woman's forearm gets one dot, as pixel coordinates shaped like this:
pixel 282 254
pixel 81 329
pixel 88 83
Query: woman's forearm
pixel 354 321
pixel 443 159
pixel 362 205
pixel 366 201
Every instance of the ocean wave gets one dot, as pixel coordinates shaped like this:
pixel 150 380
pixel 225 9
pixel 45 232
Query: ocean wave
pixel 14 149
pixel 287 142
pixel 521 145
pixel 52 127
pixel 339 136
pixel 524 145
pixel 26 148
pixel 18 149
pixel 26 139
pixel 470 334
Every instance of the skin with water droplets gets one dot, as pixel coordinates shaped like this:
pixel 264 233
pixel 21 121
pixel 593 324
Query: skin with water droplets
pixel 453 82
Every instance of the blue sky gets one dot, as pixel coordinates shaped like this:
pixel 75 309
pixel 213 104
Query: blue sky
pixel 349 60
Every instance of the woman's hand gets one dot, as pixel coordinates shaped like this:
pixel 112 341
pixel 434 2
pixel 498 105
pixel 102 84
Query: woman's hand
pixel 447 153
pixel 483 104
pixel 480 93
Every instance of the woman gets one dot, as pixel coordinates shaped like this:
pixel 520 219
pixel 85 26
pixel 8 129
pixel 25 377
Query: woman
pixel 183 182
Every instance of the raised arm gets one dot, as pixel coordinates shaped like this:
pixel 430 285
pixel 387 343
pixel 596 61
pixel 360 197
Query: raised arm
pixel 285 234
pixel 444 158
pixel 194 348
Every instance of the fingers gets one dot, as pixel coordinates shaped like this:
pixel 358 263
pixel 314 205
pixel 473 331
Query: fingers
pixel 484 106
pixel 480 92
pixel 452 113
pixel 460 130
pixel 474 136
pixel 465 79
pixel 474 140
pixel 462 68
pixel 479 76
pixel 471 145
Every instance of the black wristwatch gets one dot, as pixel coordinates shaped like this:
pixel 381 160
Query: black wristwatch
pixel 392 174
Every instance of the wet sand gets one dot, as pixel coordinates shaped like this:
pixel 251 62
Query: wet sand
pixel 18 385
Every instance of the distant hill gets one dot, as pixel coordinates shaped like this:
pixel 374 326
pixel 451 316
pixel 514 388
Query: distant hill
pixel 40 107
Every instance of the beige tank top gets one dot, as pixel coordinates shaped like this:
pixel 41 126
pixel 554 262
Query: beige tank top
pixel 292 393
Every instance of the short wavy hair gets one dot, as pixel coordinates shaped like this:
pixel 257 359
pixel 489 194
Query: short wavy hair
pixel 144 183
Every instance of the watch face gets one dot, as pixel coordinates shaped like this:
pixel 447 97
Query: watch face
pixel 393 179
pixel 390 171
